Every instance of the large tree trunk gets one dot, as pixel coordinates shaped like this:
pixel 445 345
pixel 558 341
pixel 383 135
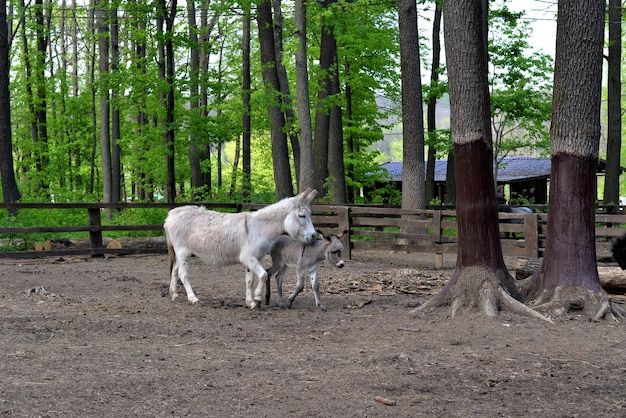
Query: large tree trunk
pixel 568 278
pixel 481 278
pixel 10 191
pixel 614 96
pixel 305 179
pixel 280 152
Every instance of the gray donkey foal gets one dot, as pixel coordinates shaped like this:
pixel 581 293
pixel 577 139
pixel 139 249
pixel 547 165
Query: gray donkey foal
pixel 287 252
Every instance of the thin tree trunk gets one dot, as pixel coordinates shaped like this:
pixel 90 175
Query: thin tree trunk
pixel 194 76
pixel 413 193
pixel 103 70
pixel 431 109
pixel 302 98
pixel 328 49
pixel 116 158
pixel 246 118
pixel 280 153
pixel 614 96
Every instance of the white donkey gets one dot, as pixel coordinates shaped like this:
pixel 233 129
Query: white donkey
pixel 230 238
pixel 306 260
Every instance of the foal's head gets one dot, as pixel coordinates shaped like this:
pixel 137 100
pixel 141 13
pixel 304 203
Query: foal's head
pixel 298 222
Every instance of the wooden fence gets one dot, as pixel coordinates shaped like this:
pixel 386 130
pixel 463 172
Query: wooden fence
pixel 370 228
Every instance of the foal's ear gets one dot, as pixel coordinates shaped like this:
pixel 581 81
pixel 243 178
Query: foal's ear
pixel 342 234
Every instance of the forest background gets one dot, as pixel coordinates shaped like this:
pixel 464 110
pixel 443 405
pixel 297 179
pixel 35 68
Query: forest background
pixel 199 100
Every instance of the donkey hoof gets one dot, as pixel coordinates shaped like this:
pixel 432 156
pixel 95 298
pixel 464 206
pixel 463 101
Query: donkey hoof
pixel 173 295
pixel 322 308
pixel 194 300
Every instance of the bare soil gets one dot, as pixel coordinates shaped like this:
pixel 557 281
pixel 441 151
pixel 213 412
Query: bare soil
pixel 83 337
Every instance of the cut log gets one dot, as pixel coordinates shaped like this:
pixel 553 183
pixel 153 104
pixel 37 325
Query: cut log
pixel 612 278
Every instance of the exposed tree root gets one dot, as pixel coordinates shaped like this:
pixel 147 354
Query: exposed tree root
pixel 481 288
pixel 565 299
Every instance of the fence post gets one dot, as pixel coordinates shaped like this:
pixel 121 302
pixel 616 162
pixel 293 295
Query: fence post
pixel 95 231
pixel 343 224
pixel 437 237
pixel 531 235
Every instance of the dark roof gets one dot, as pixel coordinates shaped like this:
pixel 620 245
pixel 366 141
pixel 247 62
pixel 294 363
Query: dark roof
pixel 511 169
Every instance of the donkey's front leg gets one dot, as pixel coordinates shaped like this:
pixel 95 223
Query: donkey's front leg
pixel 255 269
pixel 299 286
pixel 249 282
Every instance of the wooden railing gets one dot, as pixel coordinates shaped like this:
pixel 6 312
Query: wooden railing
pixel 370 228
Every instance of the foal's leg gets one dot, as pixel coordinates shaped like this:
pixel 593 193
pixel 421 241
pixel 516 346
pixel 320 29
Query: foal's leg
pixel 279 286
pixel 315 284
pixel 299 286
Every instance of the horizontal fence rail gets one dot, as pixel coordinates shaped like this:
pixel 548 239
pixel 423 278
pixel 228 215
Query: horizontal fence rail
pixel 369 228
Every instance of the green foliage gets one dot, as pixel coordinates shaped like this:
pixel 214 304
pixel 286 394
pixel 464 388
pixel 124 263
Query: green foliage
pixel 136 216
pixel 521 90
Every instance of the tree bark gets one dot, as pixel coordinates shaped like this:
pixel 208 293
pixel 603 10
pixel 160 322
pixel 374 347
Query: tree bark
pixel 568 278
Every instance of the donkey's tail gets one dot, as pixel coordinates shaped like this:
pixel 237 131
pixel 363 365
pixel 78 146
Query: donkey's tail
pixel 172 256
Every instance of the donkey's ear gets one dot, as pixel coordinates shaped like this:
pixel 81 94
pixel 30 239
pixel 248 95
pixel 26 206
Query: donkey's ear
pixel 342 234
pixel 322 234
pixel 310 195
pixel 307 196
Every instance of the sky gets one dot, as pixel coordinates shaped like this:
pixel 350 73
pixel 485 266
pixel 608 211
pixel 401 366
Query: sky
pixel 542 15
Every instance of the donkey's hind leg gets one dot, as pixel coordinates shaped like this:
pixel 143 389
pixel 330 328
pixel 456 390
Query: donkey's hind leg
pixel 182 266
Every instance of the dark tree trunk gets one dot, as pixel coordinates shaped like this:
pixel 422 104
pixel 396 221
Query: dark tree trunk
pixel 568 278
pixel 10 191
pixel 614 110
pixel 280 151
pixel 336 168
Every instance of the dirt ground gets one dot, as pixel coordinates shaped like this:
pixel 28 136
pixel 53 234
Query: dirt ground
pixel 84 337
